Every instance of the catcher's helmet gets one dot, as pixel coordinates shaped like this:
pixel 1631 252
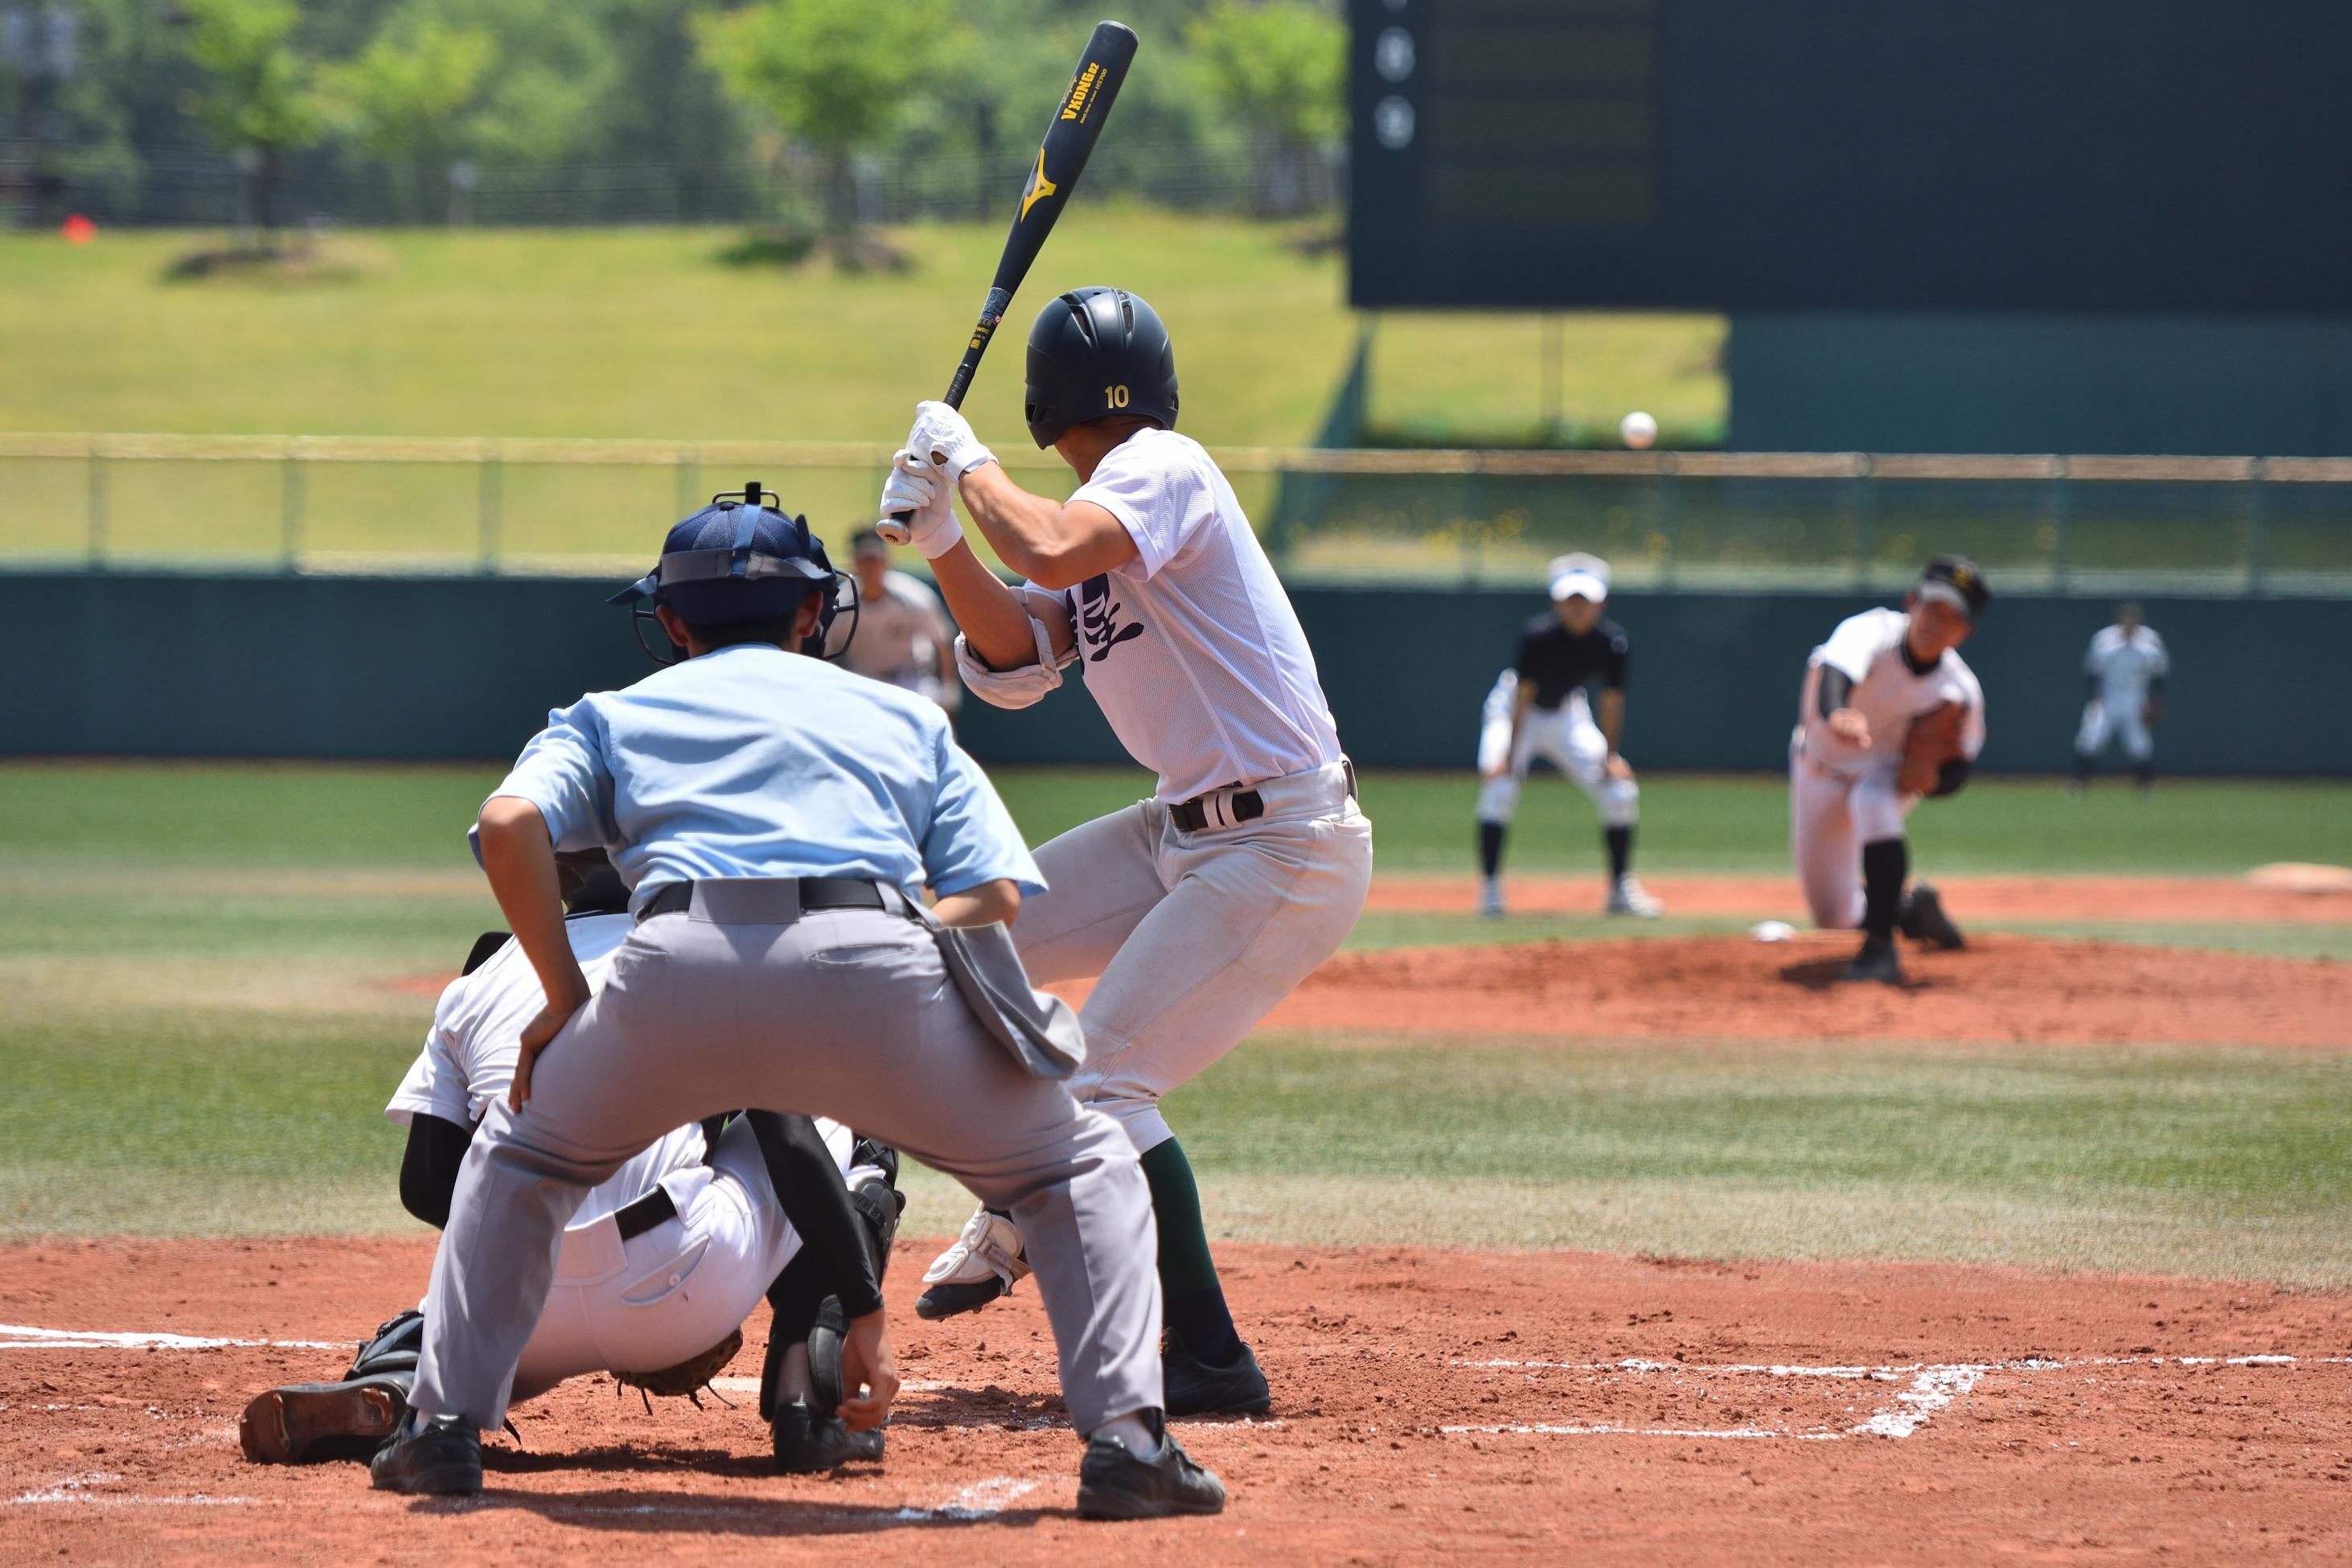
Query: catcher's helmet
pixel 738 559
pixel 1097 352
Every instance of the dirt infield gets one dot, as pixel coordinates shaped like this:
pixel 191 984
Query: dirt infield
pixel 2214 900
pixel 1431 1408
pixel 2013 989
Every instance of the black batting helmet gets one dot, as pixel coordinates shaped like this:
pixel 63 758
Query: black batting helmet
pixel 1097 352
pixel 739 559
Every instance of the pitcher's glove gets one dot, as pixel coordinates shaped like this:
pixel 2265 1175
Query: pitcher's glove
pixel 1933 740
pixel 689 1377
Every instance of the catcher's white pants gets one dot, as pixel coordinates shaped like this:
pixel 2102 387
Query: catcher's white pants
pixel 2121 721
pixel 672 1292
pixel 1193 936
pixel 1832 815
pixel 1568 739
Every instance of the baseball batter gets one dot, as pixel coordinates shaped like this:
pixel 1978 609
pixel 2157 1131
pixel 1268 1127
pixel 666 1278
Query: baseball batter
pixel 1199 908
pixel 1880 673
pixel 2126 665
pixel 1541 707
pixel 659 1266
pixel 903 633
pixel 777 819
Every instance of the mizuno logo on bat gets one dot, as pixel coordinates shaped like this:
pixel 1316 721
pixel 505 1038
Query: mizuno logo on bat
pixel 1082 88
pixel 1040 187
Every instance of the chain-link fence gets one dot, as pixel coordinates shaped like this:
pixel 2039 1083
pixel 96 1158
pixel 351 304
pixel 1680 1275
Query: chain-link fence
pixel 2207 525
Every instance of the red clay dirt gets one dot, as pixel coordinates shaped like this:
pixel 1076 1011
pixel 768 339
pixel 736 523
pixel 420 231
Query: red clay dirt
pixel 2209 900
pixel 2014 990
pixel 1431 1406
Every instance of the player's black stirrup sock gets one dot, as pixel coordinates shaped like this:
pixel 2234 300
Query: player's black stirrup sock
pixel 2146 771
pixel 1490 849
pixel 1621 851
pixel 1192 1302
pixel 1885 866
pixel 2083 763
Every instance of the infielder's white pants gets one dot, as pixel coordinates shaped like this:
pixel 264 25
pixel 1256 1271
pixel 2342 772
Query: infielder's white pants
pixel 1831 816
pixel 674 1291
pixel 2122 721
pixel 1195 936
pixel 1568 739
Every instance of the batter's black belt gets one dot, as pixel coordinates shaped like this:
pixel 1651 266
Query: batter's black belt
pixel 635 1219
pixel 1192 816
pixel 815 893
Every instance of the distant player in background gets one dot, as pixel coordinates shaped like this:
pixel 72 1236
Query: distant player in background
pixel 1540 708
pixel 2126 665
pixel 904 636
pixel 1886 681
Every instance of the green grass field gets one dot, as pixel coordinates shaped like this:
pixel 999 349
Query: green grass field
pixel 648 332
pixel 201 1034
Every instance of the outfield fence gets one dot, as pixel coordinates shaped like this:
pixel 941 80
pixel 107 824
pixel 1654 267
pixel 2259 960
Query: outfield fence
pixel 2208 526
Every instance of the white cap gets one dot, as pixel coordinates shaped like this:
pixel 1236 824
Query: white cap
pixel 1579 576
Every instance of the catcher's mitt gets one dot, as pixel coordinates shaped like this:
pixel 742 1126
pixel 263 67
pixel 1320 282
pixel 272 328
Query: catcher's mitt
pixel 689 1377
pixel 1933 740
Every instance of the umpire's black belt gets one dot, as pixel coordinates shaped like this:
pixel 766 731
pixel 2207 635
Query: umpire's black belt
pixel 814 893
pixel 1202 811
pixel 634 1219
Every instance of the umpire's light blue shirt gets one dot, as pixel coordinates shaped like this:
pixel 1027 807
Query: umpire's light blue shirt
pixel 753 761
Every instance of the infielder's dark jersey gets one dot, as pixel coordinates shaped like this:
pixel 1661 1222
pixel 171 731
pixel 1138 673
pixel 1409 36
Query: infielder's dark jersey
pixel 1558 661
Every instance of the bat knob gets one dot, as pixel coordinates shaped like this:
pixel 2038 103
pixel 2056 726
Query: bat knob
pixel 893 529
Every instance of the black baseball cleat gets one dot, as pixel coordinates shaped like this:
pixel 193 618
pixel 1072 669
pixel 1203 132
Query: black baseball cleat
pixel 302 1421
pixel 1923 920
pixel 432 1455
pixel 1116 1484
pixel 948 1300
pixel 1196 1388
pixel 807 1443
pixel 1877 961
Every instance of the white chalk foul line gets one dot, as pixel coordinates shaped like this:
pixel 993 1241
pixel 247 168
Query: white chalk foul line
pixel 84 1489
pixel 26 1337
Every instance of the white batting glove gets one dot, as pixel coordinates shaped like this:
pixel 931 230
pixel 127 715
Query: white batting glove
pixel 915 487
pixel 943 434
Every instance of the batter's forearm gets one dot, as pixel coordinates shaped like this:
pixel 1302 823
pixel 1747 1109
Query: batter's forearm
pixel 994 619
pixel 1023 529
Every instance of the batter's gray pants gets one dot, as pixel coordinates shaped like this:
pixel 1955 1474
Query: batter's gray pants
pixel 847 1013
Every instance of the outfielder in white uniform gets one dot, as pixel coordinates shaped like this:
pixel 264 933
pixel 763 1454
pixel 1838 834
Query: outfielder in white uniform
pixel 1201 908
pixel 2126 665
pixel 660 1265
pixel 1542 707
pixel 903 633
pixel 1877 673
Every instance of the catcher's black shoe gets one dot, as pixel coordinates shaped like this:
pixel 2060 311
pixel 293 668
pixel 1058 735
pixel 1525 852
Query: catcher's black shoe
pixel 1116 1484
pixel 807 1443
pixel 434 1455
pixel 1923 920
pixel 346 1420
pixel 1196 1388
pixel 1877 961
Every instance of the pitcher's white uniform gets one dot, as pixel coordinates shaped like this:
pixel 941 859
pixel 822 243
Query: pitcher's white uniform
pixel 659 1298
pixel 1842 797
pixel 1198 661
pixel 2124 663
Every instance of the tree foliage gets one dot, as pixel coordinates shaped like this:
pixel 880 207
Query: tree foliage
pixel 412 100
pixel 259 88
pixel 1281 65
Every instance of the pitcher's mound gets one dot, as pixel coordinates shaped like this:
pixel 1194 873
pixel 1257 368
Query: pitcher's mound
pixel 2302 876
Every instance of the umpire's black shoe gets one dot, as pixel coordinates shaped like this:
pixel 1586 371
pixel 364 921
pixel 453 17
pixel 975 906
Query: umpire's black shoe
pixel 1197 1388
pixel 1923 920
pixel 1877 961
pixel 1116 1484
pixel 807 1443
pixel 437 1455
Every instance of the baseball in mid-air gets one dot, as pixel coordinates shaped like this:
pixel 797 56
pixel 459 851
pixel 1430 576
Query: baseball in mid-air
pixel 1637 430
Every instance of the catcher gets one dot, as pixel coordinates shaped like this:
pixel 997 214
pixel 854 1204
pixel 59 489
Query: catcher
pixel 1889 716
pixel 663 1262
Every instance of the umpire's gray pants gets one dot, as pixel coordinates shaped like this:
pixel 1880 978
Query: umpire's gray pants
pixel 847 1013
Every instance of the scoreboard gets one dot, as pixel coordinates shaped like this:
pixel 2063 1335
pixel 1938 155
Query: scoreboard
pixel 1921 155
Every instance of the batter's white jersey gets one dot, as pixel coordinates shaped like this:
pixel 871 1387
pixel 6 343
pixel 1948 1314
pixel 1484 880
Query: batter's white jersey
pixel 1887 692
pixel 2125 663
pixel 660 1297
pixel 1192 648
pixel 904 637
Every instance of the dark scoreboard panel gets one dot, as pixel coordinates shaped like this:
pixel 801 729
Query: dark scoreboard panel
pixel 2059 155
